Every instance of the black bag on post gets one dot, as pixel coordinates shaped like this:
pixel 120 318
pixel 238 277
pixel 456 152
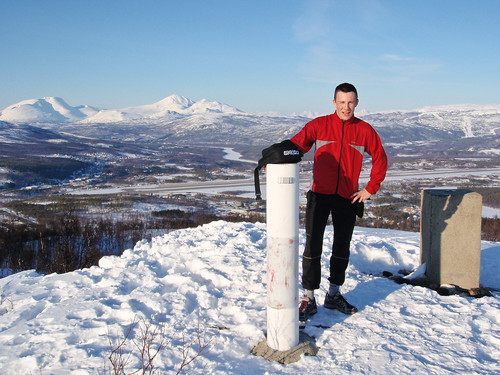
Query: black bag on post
pixel 279 153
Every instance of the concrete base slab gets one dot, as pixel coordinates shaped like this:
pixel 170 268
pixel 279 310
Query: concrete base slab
pixel 306 346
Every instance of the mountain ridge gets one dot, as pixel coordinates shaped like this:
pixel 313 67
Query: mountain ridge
pixel 57 110
pixel 177 119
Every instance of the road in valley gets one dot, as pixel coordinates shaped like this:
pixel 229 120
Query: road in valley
pixel 245 187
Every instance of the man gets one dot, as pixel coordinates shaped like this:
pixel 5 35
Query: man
pixel 340 139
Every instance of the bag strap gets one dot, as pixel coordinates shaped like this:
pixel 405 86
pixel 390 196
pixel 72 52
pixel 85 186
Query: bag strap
pixel 258 194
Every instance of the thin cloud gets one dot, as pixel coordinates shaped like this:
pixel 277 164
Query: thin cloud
pixel 392 57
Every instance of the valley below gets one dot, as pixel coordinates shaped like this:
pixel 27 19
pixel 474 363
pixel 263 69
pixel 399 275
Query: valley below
pixel 144 177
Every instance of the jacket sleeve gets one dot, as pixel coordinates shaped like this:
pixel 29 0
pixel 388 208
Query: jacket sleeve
pixel 379 162
pixel 305 138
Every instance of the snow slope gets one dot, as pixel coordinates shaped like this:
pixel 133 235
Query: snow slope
pixel 215 276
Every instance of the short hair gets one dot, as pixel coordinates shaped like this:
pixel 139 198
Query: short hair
pixel 345 87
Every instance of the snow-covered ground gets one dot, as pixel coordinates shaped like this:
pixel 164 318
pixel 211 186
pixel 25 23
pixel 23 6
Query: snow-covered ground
pixel 214 277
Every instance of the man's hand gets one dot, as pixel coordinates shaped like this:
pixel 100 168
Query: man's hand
pixel 360 196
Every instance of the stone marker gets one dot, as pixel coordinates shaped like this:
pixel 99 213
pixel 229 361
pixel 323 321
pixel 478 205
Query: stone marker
pixel 450 229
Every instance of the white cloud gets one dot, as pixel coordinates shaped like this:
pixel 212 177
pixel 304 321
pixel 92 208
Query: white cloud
pixel 392 57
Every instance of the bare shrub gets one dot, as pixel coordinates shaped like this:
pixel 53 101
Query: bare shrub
pixel 117 356
pixel 147 339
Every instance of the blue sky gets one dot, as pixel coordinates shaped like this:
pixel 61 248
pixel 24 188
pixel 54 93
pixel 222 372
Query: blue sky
pixel 260 56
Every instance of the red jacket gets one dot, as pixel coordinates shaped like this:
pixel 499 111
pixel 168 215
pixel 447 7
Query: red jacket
pixel 339 154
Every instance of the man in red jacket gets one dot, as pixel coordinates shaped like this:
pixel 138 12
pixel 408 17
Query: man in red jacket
pixel 340 140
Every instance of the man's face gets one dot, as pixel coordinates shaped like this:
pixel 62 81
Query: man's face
pixel 345 102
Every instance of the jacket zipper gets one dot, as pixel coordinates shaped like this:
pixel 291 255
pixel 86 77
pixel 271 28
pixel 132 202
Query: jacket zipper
pixel 340 158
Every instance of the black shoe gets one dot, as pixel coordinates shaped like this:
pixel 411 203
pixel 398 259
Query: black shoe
pixel 307 308
pixel 337 302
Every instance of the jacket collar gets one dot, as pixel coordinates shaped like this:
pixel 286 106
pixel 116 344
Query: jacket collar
pixel 352 120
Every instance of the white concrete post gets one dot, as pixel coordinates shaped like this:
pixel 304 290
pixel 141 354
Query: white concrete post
pixel 282 217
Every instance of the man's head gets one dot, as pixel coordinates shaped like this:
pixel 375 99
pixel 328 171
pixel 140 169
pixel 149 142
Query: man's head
pixel 345 100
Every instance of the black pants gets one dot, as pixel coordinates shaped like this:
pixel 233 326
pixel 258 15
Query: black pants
pixel 319 207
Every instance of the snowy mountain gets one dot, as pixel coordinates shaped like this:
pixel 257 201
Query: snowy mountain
pixel 56 110
pixel 172 107
pixel 49 109
pixel 177 119
pixel 465 121
pixel 210 282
